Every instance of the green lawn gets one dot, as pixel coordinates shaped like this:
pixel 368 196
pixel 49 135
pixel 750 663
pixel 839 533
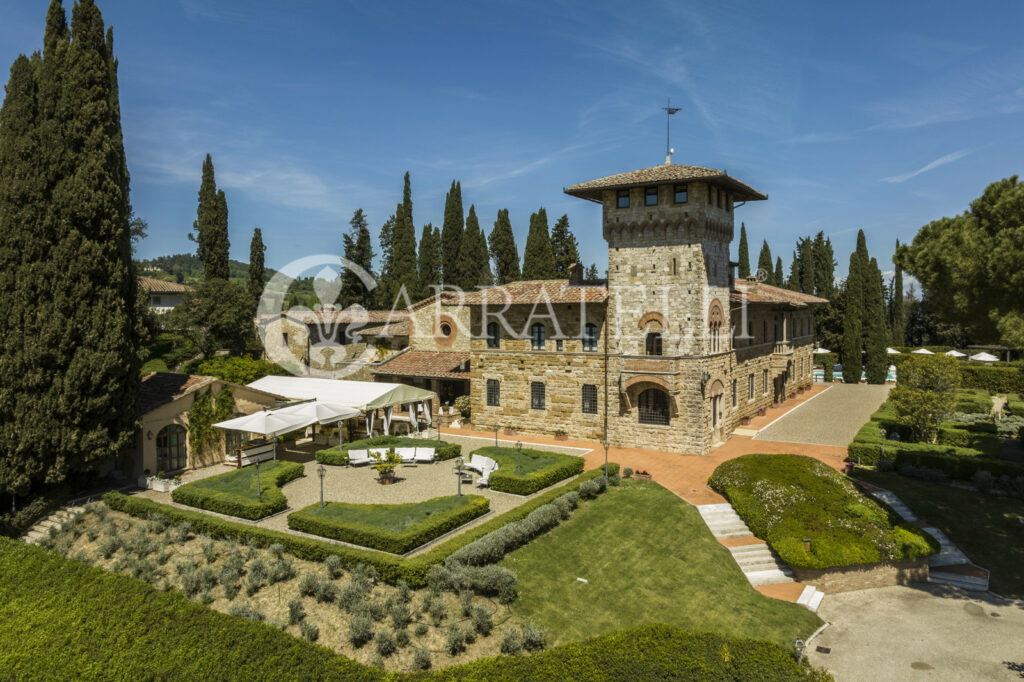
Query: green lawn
pixel 392 517
pixel 648 557
pixel 530 460
pixel 987 528
pixel 234 493
pixel 243 481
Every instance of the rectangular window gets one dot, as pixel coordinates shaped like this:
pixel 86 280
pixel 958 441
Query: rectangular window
pixel 559 345
pixel 679 194
pixel 711 195
pixel 622 200
pixel 651 196
pixel 734 392
pixel 750 387
pixel 537 395
pixel 764 381
pixel 589 395
pixel 493 393
pixel 590 337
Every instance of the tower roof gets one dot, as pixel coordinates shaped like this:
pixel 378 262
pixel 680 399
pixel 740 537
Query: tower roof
pixel 664 174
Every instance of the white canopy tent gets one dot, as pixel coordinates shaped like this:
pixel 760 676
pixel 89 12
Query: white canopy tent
pixel 956 354
pixel 319 412
pixel 275 421
pixel 892 351
pixel 365 396
pixel 821 351
pixel 922 351
pixel 984 357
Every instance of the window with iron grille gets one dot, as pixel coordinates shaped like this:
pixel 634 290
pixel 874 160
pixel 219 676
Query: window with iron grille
pixel 652 407
pixel 493 393
pixel 590 337
pixel 537 395
pixel 589 399
pixel 750 387
pixel 653 345
pixel 734 392
pixel 537 334
pixel 493 335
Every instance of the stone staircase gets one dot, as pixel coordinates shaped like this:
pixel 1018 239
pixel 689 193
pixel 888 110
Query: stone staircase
pixel 55 520
pixel 950 566
pixel 758 562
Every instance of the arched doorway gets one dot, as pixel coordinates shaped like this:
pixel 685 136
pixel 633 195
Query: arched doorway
pixel 653 407
pixel 171 448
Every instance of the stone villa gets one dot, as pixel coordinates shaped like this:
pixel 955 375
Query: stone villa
pixel 671 352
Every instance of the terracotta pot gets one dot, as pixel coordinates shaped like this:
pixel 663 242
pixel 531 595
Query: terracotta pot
pixel 387 479
pixel 509 432
pixel 561 436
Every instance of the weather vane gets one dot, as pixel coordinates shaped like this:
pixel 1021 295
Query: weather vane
pixel 669 110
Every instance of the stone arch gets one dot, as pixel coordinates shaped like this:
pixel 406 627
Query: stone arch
pixel 653 320
pixel 446 329
pixel 717 388
pixel 715 313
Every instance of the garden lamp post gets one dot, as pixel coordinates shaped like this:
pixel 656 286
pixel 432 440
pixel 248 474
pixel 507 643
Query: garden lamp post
pixel 884 436
pixel 519 451
pixel 495 434
pixel 606 459
pixel 259 492
pixel 321 472
pixel 458 474
pixel 438 428
pixel 798 649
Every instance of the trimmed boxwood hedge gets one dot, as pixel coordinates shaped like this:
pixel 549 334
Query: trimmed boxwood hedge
pixel 43 597
pixel 391 568
pixel 339 456
pixel 787 498
pixel 993 379
pixel 320 522
pixel 204 494
pixel 505 479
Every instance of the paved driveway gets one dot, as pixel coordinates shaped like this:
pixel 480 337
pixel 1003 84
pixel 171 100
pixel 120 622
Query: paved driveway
pixel 831 418
pixel 923 632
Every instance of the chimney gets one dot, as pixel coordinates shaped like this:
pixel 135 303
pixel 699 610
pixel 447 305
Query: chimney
pixel 575 274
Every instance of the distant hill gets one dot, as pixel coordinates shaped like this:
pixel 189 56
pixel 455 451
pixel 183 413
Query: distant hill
pixel 186 268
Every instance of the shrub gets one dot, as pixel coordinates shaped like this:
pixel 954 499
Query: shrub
pixel 255 576
pixel 512 641
pixel 591 488
pixel 296 611
pixel 627 473
pixel 982 480
pixel 280 569
pixel 210 551
pixel 993 379
pixel 328 523
pixel 455 640
pixel 421 629
pixel 926 393
pixel 438 612
pixel 534 639
pixel 463 405
pixel 360 629
pixel 401 638
pixel 180 533
pixel 353 596
pixel 400 616
pixel 109 545
pixel 308 584
pixel 481 618
pixel 506 480
pixel 384 643
pixel 216 492
pixel 247 611
pixel 309 632
pixel 335 566
pixel 421 659
pixel 336 456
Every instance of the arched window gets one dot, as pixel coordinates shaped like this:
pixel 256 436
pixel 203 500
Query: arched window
pixel 493 335
pixel 652 407
pixel 653 345
pixel 590 337
pixel 537 333
pixel 171 448
pixel 716 319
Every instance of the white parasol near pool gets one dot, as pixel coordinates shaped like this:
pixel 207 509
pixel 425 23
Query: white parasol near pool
pixel 956 354
pixel 892 351
pixel 922 351
pixel 984 357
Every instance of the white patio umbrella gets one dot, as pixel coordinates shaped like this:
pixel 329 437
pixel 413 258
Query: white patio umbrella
pixel 322 412
pixel 821 351
pixel 922 351
pixel 984 357
pixel 267 422
pixel 892 351
pixel 956 354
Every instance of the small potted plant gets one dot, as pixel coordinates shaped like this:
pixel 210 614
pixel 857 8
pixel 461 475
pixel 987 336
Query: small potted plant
pixel 385 465
pixel 745 421
pixel 761 411
pixel 561 435
pixel 509 430
pixel 642 474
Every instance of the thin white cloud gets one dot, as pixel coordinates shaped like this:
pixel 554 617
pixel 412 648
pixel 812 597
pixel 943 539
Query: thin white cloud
pixel 941 161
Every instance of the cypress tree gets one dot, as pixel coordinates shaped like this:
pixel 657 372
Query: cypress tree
pixel 429 260
pixel 257 271
pixel 451 234
pixel 744 253
pixel 538 256
pixel 475 269
pixel 765 269
pixel 793 282
pixel 876 334
pixel 210 229
pixel 357 245
pixel 853 319
pixel 807 265
pixel 384 293
pixel 824 266
pixel 779 279
pixel 403 249
pixel 566 250
pixel 74 394
pixel 503 250
pixel 898 320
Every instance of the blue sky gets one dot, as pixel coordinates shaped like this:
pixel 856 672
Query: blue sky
pixel 881 116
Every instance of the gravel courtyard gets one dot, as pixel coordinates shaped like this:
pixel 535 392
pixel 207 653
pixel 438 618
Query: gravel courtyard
pixel 924 632
pixel 831 418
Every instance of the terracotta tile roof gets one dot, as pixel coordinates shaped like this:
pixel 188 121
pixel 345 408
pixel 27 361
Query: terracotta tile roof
pixel 662 174
pixel 766 293
pixel 160 388
pixel 393 329
pixel 553 290
pixel 159 286
pixel 425 363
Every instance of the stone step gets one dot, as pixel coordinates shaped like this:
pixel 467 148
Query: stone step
pixel 742 533
pixel 816 601
pixel 749 549
pixel 805 597
pixel 769 577
pixel 967 582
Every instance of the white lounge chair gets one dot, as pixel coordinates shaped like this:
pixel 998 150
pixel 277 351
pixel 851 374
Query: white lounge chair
pixel 424 455
pixel 357 457
pixel 408 455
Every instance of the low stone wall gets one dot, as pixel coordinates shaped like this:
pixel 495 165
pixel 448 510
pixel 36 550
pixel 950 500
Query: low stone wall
pixel 864 576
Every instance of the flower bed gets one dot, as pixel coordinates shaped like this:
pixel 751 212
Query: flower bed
pixel 539 469
pixel 786 499
pixel 395 528
pixel 339 456
pixel 234 493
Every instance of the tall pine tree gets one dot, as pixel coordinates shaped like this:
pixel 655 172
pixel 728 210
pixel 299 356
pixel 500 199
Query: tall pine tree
pixel 429 260
pixel 502 243
pixel 565 247
pixel 744 253
pixel 384 293
pixel 897 313
pixel 538 256
pixel 765 265
pixel 357 245
pixel 257 271
pixel 404 273
pixel 70 377
pixel 474 261
pixel 824 266
pixel 210 229
pixel 805 251
pixel 451 234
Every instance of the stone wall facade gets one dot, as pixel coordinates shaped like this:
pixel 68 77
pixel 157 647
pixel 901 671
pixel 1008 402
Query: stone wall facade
pixel 864 576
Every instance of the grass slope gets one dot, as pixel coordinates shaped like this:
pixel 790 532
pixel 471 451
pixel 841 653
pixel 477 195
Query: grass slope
pixel 648 557
pixel 987 528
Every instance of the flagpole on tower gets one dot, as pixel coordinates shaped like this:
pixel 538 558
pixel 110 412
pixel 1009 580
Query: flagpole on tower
pixel 669 110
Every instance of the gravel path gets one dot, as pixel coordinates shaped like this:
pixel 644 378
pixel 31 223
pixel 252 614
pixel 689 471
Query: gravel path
pixel 831 418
